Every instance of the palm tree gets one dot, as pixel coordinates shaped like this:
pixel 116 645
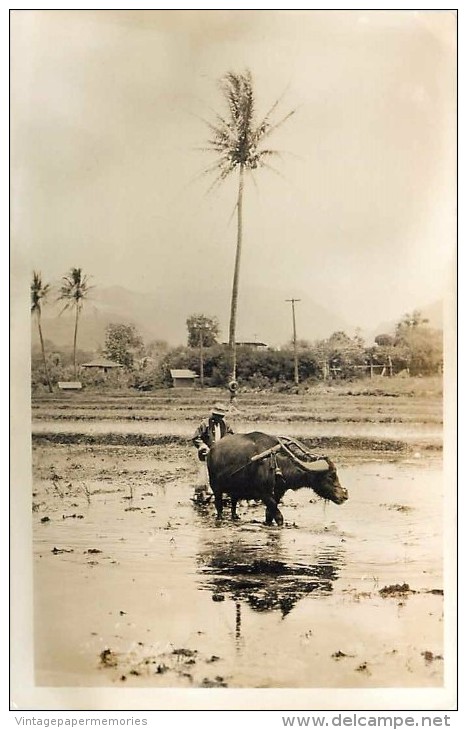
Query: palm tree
pixel 74 291
pixel 236 137
pixel 39 292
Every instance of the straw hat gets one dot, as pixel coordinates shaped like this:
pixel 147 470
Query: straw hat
pixel 218 410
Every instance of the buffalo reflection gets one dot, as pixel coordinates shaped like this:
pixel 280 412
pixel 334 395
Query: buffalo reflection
pixel 262 577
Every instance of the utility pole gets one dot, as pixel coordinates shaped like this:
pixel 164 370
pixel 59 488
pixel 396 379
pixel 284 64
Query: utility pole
pixel 201 358
pixel 294 339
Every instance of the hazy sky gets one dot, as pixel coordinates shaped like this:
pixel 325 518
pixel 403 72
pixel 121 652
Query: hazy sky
pixel 107 110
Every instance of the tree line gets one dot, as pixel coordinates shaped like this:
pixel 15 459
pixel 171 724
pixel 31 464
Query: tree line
pixel 413 346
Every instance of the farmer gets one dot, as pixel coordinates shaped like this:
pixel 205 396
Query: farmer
pixel 209 431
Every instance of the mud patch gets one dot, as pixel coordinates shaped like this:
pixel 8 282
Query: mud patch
pixel 179 665
pixel 404 508
pixel 397 590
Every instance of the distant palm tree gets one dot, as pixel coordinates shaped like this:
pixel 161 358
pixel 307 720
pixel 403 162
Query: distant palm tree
pixel 237 138
pixel 39 292
pixel 74 291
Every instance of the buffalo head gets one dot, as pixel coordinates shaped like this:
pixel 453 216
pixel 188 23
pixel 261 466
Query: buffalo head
pixel 323 479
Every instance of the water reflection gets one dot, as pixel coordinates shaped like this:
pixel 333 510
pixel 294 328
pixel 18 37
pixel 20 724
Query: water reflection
pixel 262 575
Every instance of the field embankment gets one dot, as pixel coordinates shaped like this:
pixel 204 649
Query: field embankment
pixel 381 414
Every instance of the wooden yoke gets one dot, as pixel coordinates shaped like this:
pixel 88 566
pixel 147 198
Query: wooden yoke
pixel 266 453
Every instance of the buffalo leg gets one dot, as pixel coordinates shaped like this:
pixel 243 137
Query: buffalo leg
pixel 269 516
pixel 279 519
pixel 218 503
pixel 233 507
pixel 272 512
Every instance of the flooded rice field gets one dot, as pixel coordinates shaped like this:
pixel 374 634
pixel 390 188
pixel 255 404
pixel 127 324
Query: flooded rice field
pixel 137 586
pixel 426 433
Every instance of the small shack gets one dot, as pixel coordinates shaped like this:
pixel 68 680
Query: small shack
pixel 183 378
pixel 101 364
pixel 251 344
pixel 255 345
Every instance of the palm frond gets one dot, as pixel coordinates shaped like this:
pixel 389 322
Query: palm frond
pixel 219 179
pixel 272 128
pixel 206 171
pixel 270 153
pixel 267 116
pixel 74 289
pixel 66 306
pixel 39 292
pixel 274 170
pixel 235 137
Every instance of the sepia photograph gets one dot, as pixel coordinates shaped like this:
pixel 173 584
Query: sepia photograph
pixel 233 327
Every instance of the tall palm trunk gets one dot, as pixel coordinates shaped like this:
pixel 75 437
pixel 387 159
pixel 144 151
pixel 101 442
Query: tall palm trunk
pixel 233 307
pixel 74 343
pixel 43 354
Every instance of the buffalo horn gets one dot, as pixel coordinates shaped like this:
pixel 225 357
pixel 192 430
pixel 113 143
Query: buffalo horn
pixel 319 465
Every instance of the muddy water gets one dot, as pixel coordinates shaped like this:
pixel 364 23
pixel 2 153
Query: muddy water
pixel 136 586
pixel 428 432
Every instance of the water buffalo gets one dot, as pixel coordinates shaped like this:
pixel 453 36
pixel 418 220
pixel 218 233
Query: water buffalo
pixel 262 467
